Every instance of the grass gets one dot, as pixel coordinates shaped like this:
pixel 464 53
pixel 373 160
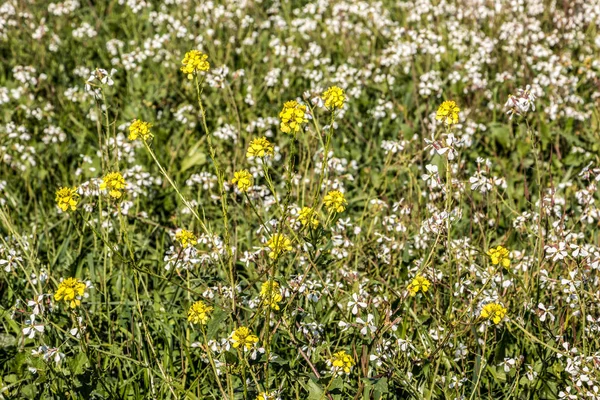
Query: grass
pixel 343 286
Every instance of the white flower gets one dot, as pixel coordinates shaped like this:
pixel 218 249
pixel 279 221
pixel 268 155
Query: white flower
pixel 355 303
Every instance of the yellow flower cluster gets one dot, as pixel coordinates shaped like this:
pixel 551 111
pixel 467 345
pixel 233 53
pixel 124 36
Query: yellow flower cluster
pixel 199 313
pixel 70 290
pixel 194 61
pixel 114 183
pixel 419 284
pixel 292 116
pixel 260 147
pixel 139 128
pixel 279 244
pixel 334 97
pixel 67 198
pixel 270 293
pixel 341 362
pixel 186 238
pixel 243 179
pixel 243 337
pixel 448 112
pixel 335 201
pixel 308 216
pixel 499 255
pixel 266 396
pixel 494 312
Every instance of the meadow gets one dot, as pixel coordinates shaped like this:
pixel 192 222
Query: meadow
pixel 273 200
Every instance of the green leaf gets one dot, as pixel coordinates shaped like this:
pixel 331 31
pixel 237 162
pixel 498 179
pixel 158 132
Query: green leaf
pixel 78 363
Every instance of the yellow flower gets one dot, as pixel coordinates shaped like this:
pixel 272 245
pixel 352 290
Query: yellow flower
pixel 308 216
pixel 244 338
pixel 70 290
pixel 114 183
pixel 494 312
pixel 186 238
pixel 199 313
pixel 448 112
pixel 194 61
pixel 499 255
pixel 292 116
pixel 278 244
pixel 420 283
pixel 243 179
pixel 260 147
pixel 139 128
pixel 67 198
pixel 270 293
pixel 267 396
pixel 335 201
pixel 341 361
pixel 334 97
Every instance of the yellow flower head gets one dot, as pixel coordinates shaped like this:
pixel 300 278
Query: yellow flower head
pixel 308 216
pixel 194 61
pixel 335 201
pixel 494 312
pixel 260 147
pixel 267 396
pixel 186 238
pixel 448 112
pixel 243 179
pixel 278 244
pixel 242 337
pixel 341 362
pixel 292 116
pixel 334 97
pixel 139 128
pixel 270 293
pixel 67 198
pixel 114 183
pixel 199 313
pixel 70 290
pixel 499 255
pixel 420 283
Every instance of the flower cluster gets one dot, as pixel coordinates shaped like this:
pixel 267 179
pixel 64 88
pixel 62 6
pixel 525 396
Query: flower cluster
pixel 140 129
pixel 71 291
pixel 194 61
pixel 199 313
pixel 67 198
pixel 292 117
pixel 114 183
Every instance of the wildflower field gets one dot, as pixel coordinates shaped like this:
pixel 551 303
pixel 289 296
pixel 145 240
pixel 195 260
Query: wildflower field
pixel 261 200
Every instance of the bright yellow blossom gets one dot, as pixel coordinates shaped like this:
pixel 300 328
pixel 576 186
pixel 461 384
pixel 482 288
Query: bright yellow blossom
pixel 186 238
pixel 270 293
pixel 194 61
pixel 243 337
pixel 199 313
pixel 260 147
pixel 499 255
pixel 334 97
pixel 292 116
pixel 267 396
pixel 419 284
pixel 70 290
pixel 341 362
pixel 114 183
pixel 278 244
pixel 448 112
pixel 139 128
pixel 243 179
pixel 335 201
pixel 494 312
pixel 67 198
pixel 308 216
